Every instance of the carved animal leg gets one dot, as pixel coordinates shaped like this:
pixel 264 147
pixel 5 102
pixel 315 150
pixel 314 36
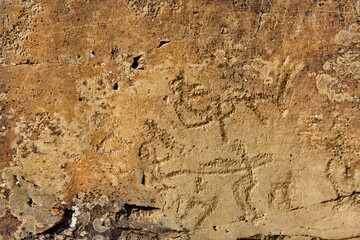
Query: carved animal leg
pixel 242 190
pixel 197 211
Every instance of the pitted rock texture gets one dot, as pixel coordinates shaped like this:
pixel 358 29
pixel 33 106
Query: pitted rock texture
pixel 180 119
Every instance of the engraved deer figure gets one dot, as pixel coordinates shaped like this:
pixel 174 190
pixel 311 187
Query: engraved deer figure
pixel 163 159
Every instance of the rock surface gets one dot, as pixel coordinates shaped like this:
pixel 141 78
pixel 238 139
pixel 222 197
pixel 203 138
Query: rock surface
pixel 180 119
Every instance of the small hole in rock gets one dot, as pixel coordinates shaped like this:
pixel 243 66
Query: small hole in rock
pixel 162 43
pixel 116 86
pixel 143 179
pixel 30 202
pixel 135 63
pixel 80 99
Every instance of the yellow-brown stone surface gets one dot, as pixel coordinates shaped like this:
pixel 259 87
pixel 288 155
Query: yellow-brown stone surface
pixel 180 119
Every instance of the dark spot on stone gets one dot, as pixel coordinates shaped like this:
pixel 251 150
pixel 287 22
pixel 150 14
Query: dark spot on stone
pixel 116 86
pixel 62 225
pixel 143 179
pixel 162 43
pixel 135 63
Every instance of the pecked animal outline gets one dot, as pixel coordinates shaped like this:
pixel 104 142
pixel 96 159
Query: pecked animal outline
pixel 342 167
pixel 189 115
pixel 197 106
pixel 279 197
pixel 341 172
pixel 217 109
pixel 241 166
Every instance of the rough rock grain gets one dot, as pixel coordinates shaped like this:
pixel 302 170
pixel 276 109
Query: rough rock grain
pixel 180 119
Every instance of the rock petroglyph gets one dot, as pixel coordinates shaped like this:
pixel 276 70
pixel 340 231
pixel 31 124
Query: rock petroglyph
pixel 179 119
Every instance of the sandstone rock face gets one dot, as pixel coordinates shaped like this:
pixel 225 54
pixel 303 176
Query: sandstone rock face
pixel 180 119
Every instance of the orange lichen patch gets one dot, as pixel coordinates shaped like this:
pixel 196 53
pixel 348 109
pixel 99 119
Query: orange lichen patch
pixel 56 210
